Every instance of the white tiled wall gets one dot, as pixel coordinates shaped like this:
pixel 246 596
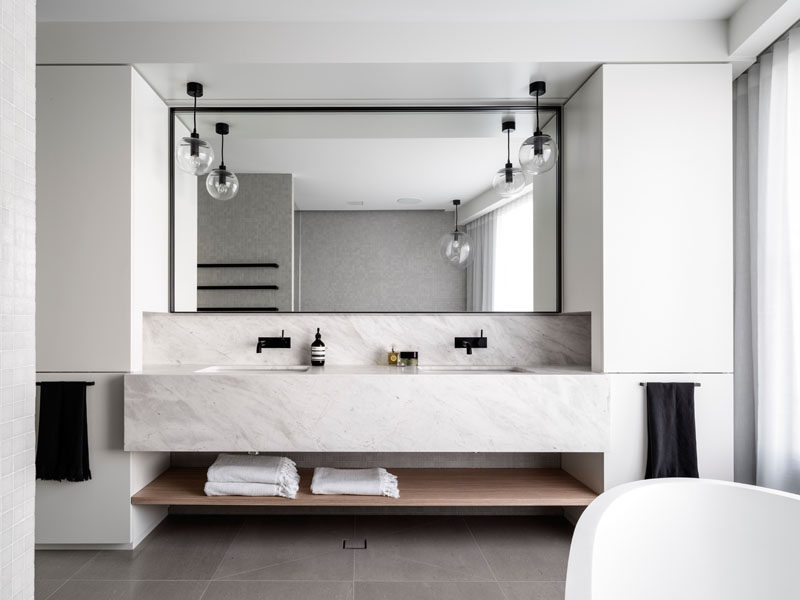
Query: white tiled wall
pixel 17 282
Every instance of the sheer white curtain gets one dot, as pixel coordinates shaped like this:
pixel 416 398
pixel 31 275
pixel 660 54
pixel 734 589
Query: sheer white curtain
pixel 767 203
pixel 500 277
pixel 480 273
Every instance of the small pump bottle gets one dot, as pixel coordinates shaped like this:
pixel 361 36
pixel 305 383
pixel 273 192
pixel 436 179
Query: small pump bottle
pixel 318 351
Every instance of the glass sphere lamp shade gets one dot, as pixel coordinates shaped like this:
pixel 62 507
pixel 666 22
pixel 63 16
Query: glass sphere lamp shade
pixel 456 249
pixel 194 156
pixel 222 184
pixel 538 154
pixel 508 182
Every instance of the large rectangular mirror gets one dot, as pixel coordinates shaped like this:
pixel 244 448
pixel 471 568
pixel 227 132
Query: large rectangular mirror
pixel 344 210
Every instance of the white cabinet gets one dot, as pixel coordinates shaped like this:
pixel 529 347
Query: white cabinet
pixel 648 249
pixel 102 259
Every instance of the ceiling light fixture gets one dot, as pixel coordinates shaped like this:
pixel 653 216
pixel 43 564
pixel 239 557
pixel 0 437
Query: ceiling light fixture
pixel 193 155
pixel 508 181
pixel 455 247
pixel 409 201
pixel 221 183
pixel 538 154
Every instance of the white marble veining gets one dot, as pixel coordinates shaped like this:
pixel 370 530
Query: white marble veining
pixel 380 410
pixel 364 339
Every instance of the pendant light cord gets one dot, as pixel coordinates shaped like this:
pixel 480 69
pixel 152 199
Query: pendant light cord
pixel 194 115
pixel 537 112
pixel 222 151
pixel 508 153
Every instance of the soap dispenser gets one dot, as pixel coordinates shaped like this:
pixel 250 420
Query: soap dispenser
pixel 318 351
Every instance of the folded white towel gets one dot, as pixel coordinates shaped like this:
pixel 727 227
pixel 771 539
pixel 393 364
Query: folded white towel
pixel 215 488
pixel 355 482
pixel 245 468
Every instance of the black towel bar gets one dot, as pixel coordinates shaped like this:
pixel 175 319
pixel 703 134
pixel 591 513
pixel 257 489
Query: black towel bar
pixel 644 383
pixel 86 383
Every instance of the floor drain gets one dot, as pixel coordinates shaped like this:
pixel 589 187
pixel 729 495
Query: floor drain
pixel 355 544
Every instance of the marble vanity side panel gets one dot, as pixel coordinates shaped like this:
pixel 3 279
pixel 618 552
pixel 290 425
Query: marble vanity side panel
pixel 364 339
pixel 367 413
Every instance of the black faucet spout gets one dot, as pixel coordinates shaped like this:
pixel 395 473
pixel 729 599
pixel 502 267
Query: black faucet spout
pixel 468 346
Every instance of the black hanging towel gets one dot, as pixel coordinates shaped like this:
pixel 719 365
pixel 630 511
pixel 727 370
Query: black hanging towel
pixel 671 437
pixel 62 449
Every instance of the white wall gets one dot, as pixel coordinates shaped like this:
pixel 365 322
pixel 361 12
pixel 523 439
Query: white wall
pixel 17 300
pixel 149 208
pixel 583 208
pixel 103 259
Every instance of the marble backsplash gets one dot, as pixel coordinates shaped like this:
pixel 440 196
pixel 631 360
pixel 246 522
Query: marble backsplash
pixel 364 339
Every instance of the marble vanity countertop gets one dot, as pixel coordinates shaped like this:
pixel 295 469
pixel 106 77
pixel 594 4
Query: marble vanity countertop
pixel 366 409
pixel 250 370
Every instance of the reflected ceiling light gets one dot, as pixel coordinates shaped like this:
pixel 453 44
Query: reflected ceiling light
pixel 193 155
pixel 456 246
pixel 409 201
pixel 538 154
pixel 508 181
pixel 221 183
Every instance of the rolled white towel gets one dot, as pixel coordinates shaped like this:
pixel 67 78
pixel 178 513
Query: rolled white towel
pixel 355 482
pixel 215 488
pixel 245 468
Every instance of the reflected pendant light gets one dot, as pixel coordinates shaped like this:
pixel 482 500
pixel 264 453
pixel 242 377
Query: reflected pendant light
pixel 193 155
pixel 456 246
pixel 508 181
pixel 538 154
pixel 221 183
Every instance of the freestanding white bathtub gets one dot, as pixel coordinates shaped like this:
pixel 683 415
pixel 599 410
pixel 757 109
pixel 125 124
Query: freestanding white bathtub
pixel 668 539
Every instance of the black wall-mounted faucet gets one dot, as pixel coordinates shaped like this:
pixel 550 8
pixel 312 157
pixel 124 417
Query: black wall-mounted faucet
pixel 273 342
pixel 471 342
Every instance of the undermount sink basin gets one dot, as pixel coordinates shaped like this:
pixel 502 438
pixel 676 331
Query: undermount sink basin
pixel 254 369
pixel 471 369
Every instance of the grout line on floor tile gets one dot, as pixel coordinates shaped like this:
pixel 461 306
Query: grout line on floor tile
pixel 50 595
pixel 283 562
pixel 478 546
pixel 225 552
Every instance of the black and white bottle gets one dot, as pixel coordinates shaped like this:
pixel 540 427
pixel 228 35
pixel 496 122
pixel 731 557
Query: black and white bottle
pixel 318 351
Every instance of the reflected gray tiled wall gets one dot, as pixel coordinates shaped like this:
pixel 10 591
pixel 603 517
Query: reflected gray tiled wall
pixel 17 297
pixel 255 226
pixel 376 261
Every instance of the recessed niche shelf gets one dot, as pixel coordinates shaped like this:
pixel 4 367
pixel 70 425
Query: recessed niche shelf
pixel 418 487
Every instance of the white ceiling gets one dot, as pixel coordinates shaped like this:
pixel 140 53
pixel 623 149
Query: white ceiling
pixel 232 84
pixel 384 10
pixel 374 158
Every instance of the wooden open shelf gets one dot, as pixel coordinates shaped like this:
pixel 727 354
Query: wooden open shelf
pixel 418 487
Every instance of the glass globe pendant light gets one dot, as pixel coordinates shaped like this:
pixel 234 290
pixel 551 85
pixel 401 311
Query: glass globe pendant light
pixel 456 246
pixel 221 183
pixel 193 155
pixel 538 154
pixel 508 181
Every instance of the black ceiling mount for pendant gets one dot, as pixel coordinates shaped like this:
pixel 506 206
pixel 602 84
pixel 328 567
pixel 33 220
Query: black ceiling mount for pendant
pixel 508 128
pixel 536 89
pixel 222 130
pixel 195 90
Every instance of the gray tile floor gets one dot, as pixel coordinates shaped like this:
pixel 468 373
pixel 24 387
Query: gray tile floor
pixel 301 558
